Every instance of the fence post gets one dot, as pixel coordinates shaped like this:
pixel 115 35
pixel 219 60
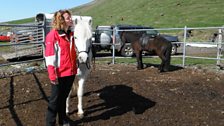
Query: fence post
pixel 219 47
pixel 44 28
pixel 184 46
pixel 113 45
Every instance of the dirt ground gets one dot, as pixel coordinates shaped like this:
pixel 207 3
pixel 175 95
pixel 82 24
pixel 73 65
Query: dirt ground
pixel 121 95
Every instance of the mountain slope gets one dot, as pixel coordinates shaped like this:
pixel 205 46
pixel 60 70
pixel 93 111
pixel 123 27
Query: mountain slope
pixel 157 13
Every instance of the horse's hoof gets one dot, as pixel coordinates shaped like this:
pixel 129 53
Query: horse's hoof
pixel 80 115
pixel 138 68
pixel 67 112
pixel 163 70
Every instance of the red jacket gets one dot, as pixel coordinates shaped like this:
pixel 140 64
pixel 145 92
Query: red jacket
pixel 60 54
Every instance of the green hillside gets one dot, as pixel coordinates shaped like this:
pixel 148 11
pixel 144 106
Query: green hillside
pixel 156 13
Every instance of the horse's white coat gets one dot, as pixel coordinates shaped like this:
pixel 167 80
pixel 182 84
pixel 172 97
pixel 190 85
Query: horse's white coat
pixel 83 36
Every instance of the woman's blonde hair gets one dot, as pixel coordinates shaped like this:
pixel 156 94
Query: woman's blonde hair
pixel 58 22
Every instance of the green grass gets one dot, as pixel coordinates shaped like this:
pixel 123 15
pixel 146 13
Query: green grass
pixel 4 48
pixel 1 43
pixel 156 13
pixel 147 60
pixel 22 21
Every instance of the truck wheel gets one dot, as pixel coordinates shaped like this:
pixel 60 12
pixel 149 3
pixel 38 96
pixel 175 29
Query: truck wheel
pixel 174 50
pixel 127 51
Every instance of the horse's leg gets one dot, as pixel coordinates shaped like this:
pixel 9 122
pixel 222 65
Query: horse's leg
pixel 68 99
pixel 139 59
pixel 167 57
pixel 163 58
pixel 80 95
pixel 161 65
pixel 68 102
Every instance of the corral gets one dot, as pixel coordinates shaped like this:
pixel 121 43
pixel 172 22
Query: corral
pixel 121 95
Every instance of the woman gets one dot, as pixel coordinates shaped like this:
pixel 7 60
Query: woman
pixel 60 57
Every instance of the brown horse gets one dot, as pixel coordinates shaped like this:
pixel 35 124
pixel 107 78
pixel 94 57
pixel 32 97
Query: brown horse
pixel 140 41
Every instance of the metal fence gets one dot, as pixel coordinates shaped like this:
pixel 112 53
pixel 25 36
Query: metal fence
pixel 217 43
pixel 26 40
pixel 30 37
pixel 214 39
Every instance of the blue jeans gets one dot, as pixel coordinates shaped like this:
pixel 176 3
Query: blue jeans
pixel 57 100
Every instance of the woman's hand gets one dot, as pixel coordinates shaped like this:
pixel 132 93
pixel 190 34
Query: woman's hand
pixel 55 82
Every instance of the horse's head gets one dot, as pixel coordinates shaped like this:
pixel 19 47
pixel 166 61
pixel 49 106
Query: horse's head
pixel 83 36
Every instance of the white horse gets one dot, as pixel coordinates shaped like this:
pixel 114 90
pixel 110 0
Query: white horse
pixel 83 37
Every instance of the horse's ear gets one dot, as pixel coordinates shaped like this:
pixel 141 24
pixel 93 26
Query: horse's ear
pixel 76 21
pixel 90 22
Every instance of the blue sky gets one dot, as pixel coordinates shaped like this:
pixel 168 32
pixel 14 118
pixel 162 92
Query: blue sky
pixel 20 9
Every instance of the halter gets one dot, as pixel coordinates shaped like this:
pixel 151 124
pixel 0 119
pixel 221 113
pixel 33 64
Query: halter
pixel 88 61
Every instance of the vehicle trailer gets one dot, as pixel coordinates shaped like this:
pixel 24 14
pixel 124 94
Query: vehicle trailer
pixel 28 39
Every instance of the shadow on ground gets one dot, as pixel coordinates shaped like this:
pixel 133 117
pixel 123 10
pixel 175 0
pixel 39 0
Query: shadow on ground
pixel 118 100
pixel 171 67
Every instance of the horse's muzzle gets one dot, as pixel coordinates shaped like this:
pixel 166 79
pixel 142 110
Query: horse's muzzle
pixel 82 57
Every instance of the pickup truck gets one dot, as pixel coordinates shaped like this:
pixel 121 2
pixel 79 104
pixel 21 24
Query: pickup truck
pixel 5 37
pixel 103 39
